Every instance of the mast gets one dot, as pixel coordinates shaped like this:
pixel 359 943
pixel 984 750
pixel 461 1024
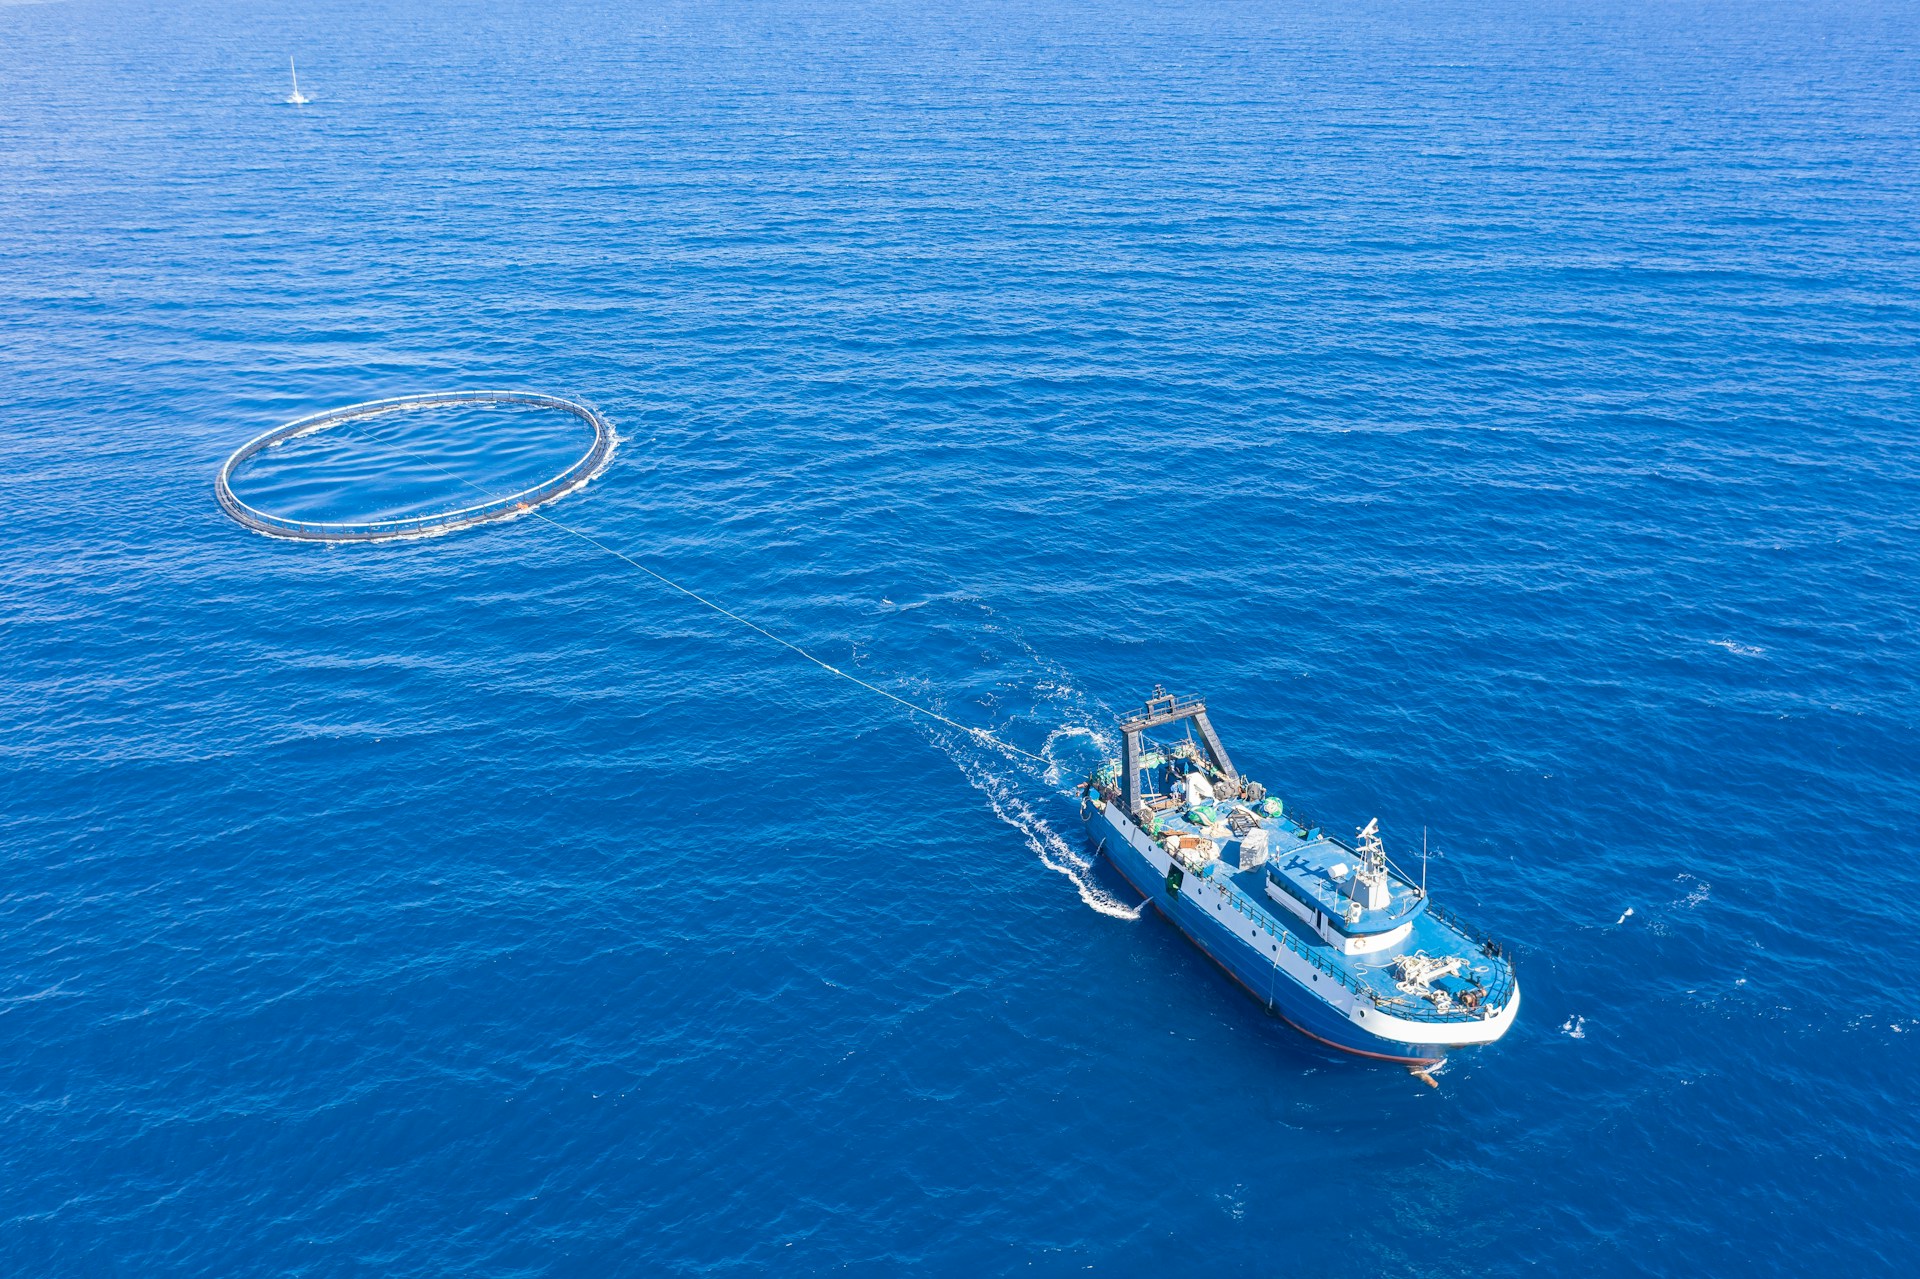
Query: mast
pixel 1370 891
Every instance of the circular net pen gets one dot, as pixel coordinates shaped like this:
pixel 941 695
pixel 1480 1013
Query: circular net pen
pixel 590 465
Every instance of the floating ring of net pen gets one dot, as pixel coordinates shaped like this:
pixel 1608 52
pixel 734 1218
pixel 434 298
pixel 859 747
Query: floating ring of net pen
pixel 583 471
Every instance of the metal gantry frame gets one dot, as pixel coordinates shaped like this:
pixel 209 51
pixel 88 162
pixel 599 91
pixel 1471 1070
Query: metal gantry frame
pixel 1164 708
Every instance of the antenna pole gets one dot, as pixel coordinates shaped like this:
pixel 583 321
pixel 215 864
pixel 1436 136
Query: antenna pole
pixel 1423 861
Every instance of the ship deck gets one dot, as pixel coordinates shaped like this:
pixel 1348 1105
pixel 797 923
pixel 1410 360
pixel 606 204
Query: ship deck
pixel 1374 972
pixel 1371 974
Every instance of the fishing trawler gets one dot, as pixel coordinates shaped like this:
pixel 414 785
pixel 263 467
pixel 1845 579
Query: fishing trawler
pixel 1330 936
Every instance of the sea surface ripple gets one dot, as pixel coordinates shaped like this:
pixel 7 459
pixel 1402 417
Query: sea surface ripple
pixel 1504 413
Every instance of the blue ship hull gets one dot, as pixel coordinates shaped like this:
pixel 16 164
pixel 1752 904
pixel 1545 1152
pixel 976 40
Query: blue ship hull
pixel 1297 1003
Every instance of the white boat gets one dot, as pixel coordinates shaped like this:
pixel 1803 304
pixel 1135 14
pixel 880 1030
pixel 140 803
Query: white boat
pixel 297 98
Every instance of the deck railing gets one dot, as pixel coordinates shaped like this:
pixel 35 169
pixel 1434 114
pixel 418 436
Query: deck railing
pixel 1285 936
pixel 1488 946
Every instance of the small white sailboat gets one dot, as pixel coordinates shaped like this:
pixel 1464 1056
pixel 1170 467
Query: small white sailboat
pixel 298 98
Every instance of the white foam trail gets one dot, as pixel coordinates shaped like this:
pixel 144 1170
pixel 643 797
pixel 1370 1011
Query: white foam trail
pixel 1079 718
pixel 983 771
pixel 1574 1028
pixel 1054 853
pixel 1052 776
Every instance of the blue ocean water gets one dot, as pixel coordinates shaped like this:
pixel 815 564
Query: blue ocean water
pixel 1504 413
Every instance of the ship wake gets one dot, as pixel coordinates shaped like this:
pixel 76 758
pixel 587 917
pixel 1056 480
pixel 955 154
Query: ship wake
pixel 1055 853
pixel 1012 785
